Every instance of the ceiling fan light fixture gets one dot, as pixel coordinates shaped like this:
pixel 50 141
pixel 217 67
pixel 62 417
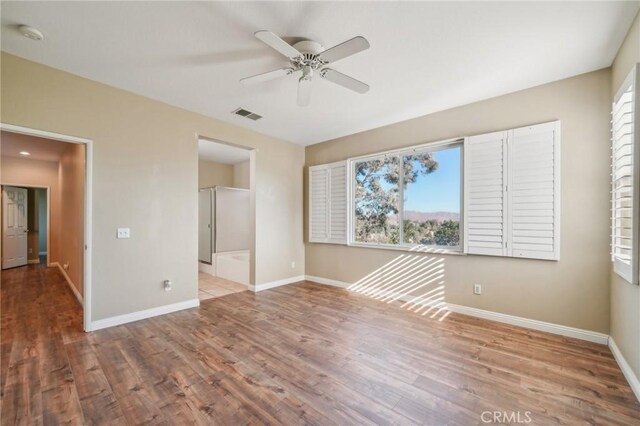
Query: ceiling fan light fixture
pixel 307 73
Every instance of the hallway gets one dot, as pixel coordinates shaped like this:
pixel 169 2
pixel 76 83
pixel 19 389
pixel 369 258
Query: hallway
pixel 34 329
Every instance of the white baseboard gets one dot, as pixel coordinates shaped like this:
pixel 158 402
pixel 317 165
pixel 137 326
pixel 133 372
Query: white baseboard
pixel 206 268
pixel 69 282
pixel 327 281
pixel 273 284
pixel 33 261
pixel 563 330
pixel 633 380
pixel 591 336
pixel 139 315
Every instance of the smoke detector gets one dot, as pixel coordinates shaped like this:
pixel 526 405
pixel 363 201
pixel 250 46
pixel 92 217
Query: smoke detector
pixel 30 32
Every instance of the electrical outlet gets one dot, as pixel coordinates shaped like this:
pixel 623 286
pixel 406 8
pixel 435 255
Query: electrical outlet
pixel 167 285
pixel 293 265
pixel 30 251
pixel 477 289
pixel 123 233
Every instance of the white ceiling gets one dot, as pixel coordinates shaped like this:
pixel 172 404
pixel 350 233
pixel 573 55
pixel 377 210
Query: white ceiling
pixel 424 57
pixel 40 149
pixel 221 153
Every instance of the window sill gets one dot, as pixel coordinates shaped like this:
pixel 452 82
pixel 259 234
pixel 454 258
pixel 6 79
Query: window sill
pixel 417 250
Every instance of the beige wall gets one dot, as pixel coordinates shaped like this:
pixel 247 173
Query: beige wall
pixel 572 291
pixel 71 176
pixel 211 174
pixel 145 162
pixel 241 175
pixel 625 297
pixel 36 173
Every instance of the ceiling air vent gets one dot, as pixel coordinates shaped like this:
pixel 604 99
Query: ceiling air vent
pixel 247 114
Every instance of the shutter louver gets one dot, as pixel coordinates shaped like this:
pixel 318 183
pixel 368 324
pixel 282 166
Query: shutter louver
pixel 624 212
pixel 533 192
pixel 318 204
pixel 485 208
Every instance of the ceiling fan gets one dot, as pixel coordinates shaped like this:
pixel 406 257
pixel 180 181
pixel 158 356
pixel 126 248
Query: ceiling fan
pixel 309 57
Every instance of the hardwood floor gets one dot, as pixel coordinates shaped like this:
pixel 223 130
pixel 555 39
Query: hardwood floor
pixel 298 354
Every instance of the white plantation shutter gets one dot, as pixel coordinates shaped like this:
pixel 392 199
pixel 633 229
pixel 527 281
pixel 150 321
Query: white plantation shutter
pixel 534 191
pixel 485 201
pixel 624 220
pixel 318 203
pixel 328 203
pixel 338 203
pixel 512 193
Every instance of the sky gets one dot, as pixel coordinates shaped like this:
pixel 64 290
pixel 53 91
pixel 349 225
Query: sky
pixel 438 191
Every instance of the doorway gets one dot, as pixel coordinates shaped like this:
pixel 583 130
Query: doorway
pixel 225 234
pixel 46 196
pixel 25 226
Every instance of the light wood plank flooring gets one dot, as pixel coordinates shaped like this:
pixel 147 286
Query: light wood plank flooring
pixel 210 286
pixel 298 354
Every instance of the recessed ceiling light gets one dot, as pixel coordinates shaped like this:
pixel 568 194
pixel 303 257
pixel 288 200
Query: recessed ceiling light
pixel 25 153
pixel 30 32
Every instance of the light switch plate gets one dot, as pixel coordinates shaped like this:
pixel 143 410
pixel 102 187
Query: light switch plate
pixel 123 233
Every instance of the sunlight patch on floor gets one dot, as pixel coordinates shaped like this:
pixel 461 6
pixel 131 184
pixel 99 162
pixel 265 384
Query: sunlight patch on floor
pixel 413 278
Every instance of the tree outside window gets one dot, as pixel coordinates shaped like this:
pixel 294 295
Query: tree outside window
pixel 428 184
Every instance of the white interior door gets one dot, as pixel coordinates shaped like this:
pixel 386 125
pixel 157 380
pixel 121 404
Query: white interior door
pixel 14 227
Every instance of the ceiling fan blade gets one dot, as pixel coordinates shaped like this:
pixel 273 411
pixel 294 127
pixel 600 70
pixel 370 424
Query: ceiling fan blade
pixel 277 43
pixel 342 50
pixel 266 76
pixel 344 80
pixel 304 92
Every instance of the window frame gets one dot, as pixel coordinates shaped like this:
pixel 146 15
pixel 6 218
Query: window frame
pixel 630 272
pixel 426 147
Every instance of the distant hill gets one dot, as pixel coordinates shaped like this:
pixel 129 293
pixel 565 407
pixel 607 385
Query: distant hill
pixel 437 216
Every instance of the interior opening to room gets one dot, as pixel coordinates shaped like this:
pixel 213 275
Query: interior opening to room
pixel 224 219
pixel 43 192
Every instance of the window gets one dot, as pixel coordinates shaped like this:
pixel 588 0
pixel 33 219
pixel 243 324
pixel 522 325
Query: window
pixel 502 200
pixel 624 208
pixel 408 198
pixel 377 201
pixel 431 204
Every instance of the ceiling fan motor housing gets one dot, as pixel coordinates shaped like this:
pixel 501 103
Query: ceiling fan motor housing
pixel 310 50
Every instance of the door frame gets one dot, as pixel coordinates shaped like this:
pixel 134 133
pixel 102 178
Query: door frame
pixel 48 189
pixel 88 211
